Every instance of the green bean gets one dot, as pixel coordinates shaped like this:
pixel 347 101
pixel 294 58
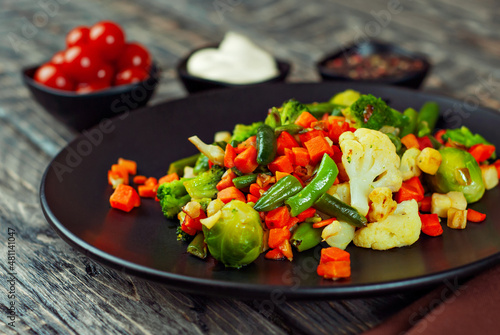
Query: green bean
pixel 322 181
pixel 411 127
pixel 244 181
pixel 274 197
pixel 333 207
pixel 427 118
pixel 266 145
pixel 179 165
pixel 198 247
pixel 289 128
pixel 306 237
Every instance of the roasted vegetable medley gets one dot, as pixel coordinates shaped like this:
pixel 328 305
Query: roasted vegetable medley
pixel 351 169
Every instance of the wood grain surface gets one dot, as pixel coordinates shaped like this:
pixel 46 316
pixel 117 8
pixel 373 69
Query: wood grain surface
pixel 59 290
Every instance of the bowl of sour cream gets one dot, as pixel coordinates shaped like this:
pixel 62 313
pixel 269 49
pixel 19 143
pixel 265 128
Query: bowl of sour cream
pixel 234 62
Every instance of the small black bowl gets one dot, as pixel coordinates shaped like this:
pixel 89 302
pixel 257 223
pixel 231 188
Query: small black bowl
pixel 195 84
pixel 81 111
pixel 411 79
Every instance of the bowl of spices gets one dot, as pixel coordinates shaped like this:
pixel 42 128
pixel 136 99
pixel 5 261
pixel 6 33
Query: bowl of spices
pixel 375 62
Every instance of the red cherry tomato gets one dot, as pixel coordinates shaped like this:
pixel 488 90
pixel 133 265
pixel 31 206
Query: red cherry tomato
pixel 108 39
pixel 134 55
pixel 58 58
pixel 130 75
pixel 105 73
pixel 82 63
pixel 52 76
pixel 84 88
pixel 77 36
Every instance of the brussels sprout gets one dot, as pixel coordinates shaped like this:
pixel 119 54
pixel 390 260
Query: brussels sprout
pixel 236 238
pixel 458 171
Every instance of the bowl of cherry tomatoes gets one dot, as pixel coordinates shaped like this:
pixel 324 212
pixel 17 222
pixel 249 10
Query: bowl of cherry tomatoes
pixel 98 75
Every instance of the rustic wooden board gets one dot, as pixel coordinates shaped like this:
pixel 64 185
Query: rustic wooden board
pixel 59 290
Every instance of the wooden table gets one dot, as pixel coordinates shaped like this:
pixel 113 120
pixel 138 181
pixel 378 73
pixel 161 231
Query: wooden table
pixel 60 291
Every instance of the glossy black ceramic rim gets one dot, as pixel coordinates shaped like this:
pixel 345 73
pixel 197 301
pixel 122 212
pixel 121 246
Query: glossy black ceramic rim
pixel 254 291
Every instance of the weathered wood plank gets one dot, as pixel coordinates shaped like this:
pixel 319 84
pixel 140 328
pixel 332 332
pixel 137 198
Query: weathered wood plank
pixel 60 290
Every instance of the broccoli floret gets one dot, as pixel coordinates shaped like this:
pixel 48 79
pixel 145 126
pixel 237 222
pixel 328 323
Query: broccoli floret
pixel 173 196
pixel 204 184
pixel 201 164
pixel 373 113
pixel 241 131
pixel 286 114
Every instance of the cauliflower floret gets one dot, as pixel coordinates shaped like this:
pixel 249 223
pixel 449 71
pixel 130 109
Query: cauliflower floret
pixel 382 204
pixel 370 160
pixel 338 234
pixel 399 229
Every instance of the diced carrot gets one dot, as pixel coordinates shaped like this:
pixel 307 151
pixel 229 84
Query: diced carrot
pixel 229 156
pixel 249 142
pixel 286 249
pixel 230 193
pixel 274 254
pixel 334 254
pixel 336 130
pixel 114 178
pixel 308 213
pixel 139 180
pixel 280 175
pixel 246 161
pixel 281 163
pixel 122 171
pixel 305 119
pixel 300 156
pixel 252 198
pixel 277 236
pixel 130 166
pixel 289 154
pixel 439 135
pixel 147 191
pixel 475 216
pixel 285 140
pixel 325 117
pixel 320 125
pixel 227 180
pixel 317 147
pixel 425 204
pixel 151 181
pixel 323 223
pixel 304 137
pixel 424 142
pixel 481 152
pixel 254 190
pixel 410 141
pixel 277 218
pixel 334 270
pixel 168 178
pixel 430 224
pixel 124 198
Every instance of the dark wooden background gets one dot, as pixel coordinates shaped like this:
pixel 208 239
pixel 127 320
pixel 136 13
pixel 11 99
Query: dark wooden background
pixel 60 291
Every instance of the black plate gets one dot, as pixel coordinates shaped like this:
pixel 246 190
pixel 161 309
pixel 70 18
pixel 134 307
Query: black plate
pixel 74 196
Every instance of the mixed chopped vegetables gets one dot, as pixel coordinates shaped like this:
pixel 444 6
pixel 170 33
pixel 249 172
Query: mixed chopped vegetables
pixel 348 170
